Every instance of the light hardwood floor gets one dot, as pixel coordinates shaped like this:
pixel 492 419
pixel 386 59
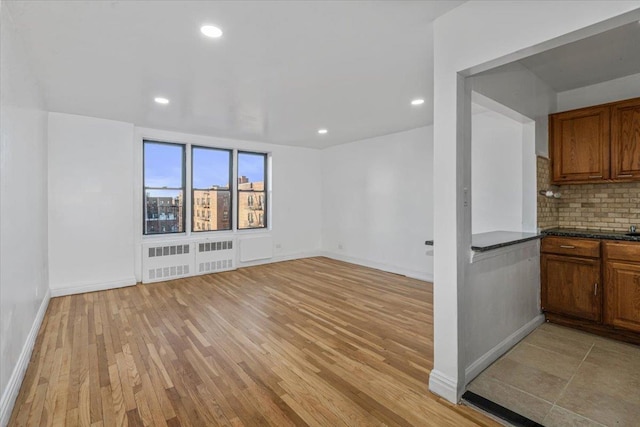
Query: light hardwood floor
pixel 306 342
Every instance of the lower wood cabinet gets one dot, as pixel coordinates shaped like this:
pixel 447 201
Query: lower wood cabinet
pixel 592 285
pixel 571 286
pixel 622 291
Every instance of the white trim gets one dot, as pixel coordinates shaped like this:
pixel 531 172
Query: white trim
pixel 443 386
pixel 17 376
pixel 280 258
pixel 492 253
pixel 419 275
pixel 92 287
pixel 492 355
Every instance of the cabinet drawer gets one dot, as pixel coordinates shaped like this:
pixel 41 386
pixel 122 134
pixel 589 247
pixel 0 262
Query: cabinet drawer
pixel 571 246
pixel 624 251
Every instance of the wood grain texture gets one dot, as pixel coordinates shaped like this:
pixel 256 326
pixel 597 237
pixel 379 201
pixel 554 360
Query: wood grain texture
pixel 306 342
pixel 625 140
pixel 579 143
pixel 571 286
pixel 571 246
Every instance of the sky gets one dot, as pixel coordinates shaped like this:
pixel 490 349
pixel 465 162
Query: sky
pixel 163 167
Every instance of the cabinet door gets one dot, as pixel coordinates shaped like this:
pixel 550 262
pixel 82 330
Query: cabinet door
pixel 625 140
pixel 571 286
pixel 580 145
pixel 622 295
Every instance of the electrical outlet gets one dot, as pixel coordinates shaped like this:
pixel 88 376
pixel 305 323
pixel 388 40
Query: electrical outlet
pixel 340 246
pixel 278 246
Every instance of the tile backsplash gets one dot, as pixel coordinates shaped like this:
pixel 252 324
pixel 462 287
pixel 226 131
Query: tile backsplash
pixel 607 207
pixel 547 208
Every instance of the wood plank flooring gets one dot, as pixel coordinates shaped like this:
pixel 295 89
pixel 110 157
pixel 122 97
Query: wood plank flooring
pixel 307 342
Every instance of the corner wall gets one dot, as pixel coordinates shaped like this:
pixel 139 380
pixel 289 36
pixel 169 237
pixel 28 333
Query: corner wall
pixel 24 291
pixel 377 205
pixel 475 37
pixel 90 204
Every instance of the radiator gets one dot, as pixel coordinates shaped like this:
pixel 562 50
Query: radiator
pixel 215 255
pixel 171 260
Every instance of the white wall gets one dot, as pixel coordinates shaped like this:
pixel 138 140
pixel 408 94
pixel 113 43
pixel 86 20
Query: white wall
pixel 23 212
pixel 496 173
pixel 95 200
pixel 601 93
pixel 91 230
pixel 518 88
pixel 296 199
pixel 377 202
pixel 501 303
pixel 473 38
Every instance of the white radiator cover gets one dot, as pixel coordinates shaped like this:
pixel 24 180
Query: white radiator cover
pixel 168 260
pixel 213 256
pixel 256 248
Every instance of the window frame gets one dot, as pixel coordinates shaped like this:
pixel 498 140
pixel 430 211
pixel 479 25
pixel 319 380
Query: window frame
pixel 193 188
pixel 265 224
pixel 145 188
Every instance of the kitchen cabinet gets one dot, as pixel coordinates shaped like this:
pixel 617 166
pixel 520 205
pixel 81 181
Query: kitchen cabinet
pixel 596 144
pixel 579 142
pixel 592 284
pixel 571 277
pixel 625 140
pixel 622 291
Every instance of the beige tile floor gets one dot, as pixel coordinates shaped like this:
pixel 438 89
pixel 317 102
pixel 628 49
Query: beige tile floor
pixel 558 376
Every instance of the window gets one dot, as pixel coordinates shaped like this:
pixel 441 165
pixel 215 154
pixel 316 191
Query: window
pixel 164 187
pixel 252 185
pixel 211 178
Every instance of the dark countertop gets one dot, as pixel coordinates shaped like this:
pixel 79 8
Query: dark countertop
pixel 591 234
pixel 482 242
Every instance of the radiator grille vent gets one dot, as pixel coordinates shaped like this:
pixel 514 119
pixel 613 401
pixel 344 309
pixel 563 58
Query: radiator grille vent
pixel 168 272
pixel 169 260
pixel 215 246
pixel 168 250
pixel 210 266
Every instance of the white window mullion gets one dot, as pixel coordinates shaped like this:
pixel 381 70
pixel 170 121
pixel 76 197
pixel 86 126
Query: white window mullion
pixel 234 192
pixel 187 197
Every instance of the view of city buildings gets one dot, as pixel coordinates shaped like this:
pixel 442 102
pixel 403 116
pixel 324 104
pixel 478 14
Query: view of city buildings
pixel 163 214
pixel 211 209
pixel 251 206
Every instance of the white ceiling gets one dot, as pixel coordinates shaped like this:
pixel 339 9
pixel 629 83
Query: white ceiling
pixel 603 57
pixel 281 71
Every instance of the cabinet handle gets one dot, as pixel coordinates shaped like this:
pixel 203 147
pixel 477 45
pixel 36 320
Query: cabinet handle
pixel 595 289
pixel 567 246
pixel 626 175
pixel 595 176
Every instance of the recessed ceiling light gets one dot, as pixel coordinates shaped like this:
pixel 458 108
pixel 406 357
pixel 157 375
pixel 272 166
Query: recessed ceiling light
pixel 418 101
pixel 211 31
pixel 161 100
pixel 322 131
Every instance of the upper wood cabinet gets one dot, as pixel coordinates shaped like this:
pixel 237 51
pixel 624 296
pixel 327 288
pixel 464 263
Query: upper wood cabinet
pixel 580 145
pixel 596 144
pixel 625 140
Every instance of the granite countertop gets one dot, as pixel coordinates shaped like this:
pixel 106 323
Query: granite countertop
pixel 591 234
pixel 482 242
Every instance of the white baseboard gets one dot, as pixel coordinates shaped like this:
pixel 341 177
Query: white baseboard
pixel 444 386
pixel 92 287
pixel 492 355
pixel 280 258
pixel 419 275
pixel 10 393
